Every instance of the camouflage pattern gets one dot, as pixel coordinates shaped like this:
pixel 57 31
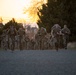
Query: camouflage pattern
pixel 45 43
pixel 66 32
pixel 55 32
pixel 26 42
pixel 12 32
pixel 4 40
pixel 21 33
pixel 19 40
pixel 38 38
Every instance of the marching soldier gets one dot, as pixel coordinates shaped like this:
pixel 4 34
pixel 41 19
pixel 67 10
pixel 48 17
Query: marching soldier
pixel 39 36
pixel 21 33
pixel 12 32
pixel 66 32
pixel 4 40
pixel 55 32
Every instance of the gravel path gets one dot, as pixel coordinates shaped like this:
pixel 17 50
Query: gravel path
pixel 38 62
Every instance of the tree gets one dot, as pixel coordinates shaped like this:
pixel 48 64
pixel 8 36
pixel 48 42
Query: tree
pixel 13 22
pixel 72 18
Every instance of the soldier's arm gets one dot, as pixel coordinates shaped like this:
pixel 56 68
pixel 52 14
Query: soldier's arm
pixel 52 33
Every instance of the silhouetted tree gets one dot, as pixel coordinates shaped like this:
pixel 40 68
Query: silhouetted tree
pixel 14 23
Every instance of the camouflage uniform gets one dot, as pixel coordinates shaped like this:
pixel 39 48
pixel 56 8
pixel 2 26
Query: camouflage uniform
pixel 55 32
pixel 26 42
pixel 21 34
pixel 10 43
pixel 45 43
pixel 32 44
pixel 37 41
pixel 17 42
pixel 12 32
pixel 23 41
pixel 48 41
pixel 65 31
pixel 39 36
pixel 4 41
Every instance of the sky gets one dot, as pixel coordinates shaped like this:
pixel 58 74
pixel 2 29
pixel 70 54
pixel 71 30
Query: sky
pixel 14 9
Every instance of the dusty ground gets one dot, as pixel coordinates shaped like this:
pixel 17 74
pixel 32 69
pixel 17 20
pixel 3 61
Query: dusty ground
pixel 39 62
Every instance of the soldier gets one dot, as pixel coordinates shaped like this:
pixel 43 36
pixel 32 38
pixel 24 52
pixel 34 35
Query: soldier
pixel 12 32
pixel 66 32
pixel 4 40
pixel 21 33
pixel 55 32
pixel 41 34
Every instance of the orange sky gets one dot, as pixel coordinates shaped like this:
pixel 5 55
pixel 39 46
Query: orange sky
pixel 14 8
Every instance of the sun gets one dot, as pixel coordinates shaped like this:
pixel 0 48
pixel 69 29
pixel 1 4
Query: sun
pixel 21 10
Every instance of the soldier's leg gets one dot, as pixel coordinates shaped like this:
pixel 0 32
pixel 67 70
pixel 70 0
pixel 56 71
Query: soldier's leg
pixel 64 41
pixel 2 44
pixel 10 43
pixel 56 44
pixel 13 43
pixel 67 40
pixel 20 45
pixel 5 45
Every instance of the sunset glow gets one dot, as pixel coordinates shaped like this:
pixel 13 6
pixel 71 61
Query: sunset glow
pixel 21 10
